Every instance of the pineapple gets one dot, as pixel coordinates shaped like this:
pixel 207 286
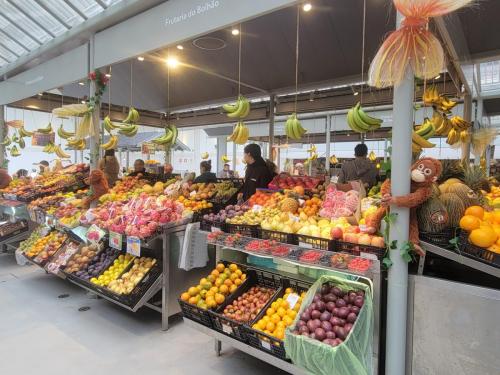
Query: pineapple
pixel 451 169
pixel 475 178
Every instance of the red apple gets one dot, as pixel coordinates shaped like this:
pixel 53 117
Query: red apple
pixel 336 233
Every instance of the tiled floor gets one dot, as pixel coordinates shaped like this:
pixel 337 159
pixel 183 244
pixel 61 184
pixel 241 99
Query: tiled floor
pixel 43 334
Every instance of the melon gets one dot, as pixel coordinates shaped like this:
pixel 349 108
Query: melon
pixel 432 216
pixel 158 187
pixel 435 190
pixel 455 208
pixel 289 205
pixel 465 193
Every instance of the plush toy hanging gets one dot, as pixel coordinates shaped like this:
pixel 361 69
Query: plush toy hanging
pixel 412 43
pixel 424 173
pixel 98 186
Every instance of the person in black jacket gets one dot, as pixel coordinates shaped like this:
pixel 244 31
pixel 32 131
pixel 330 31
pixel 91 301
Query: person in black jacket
pixel 258 174
pixel 205 175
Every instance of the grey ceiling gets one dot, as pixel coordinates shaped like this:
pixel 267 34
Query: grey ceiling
pixel 492 106
pixel 480 23
pixel 330 49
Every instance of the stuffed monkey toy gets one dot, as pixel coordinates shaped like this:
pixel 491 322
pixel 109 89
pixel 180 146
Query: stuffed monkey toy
pixel 98 186
pixel 424 173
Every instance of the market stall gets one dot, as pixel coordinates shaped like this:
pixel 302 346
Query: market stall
pixel 301 237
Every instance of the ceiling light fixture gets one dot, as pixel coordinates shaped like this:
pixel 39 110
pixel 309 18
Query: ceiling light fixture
pixel 235 32
pixel 311 96
pixel 140 58
pixel 83 101
pixel 307 7
pixel 355 93
pixel 179 46
pixel 40 94
pixel 438 76
pixel 108 75
pixel 172 62
pixel 81 83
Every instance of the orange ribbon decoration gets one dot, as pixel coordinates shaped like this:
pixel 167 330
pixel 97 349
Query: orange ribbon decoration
pixel 412 44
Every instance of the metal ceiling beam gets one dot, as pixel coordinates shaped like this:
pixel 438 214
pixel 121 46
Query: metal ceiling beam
pixel 4 59
pixel 101 4
pixel 52 14
pixel 17 25
pixel 15 40
pixel 30 17
pixel 76 10
pixel 77 35
pixel 8 49
pixel 451 31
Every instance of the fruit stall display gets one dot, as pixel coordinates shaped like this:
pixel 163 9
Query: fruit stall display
pixel 70 178
pixel 44 247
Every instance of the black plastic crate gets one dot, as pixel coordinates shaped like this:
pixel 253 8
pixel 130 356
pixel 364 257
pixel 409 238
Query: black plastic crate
pixel 359 250
pixel 263 341
pixel 477 253
pixel 198 314
pixel 243 229
pixel 441 239
pixel 288 238
pixel 315 242
pixel 231 327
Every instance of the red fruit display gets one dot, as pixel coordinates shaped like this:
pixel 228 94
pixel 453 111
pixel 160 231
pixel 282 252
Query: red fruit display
pixel 285 181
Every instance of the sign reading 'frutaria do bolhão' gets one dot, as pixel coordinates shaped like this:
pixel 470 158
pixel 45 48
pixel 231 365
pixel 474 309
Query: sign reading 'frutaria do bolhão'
pixel 203 7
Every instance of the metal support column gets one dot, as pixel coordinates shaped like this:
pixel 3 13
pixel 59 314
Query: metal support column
pixel 397 288
pixel 94 140
pixel 165 281
pixel 467 117
pixel 478 122
pixel 3 132
pixel 327 144
pixel 221 150
pixel 272 110
pixel 233 159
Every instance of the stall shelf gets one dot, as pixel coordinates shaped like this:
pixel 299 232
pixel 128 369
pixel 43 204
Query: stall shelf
pixel 237 254
pixel 456 257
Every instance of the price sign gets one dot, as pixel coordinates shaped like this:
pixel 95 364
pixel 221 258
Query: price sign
pixel 134 246
pixel 305 245
pixel 227 329
pixel 265 344
pixel 115 240
pixel 94 234
pixel 292 299
pixel 368 256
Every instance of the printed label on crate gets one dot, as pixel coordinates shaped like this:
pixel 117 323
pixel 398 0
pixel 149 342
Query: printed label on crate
pixel 115 240
pixel 227 329
pixel 368 256
pixel 50 220
pixel 305 244
pixel 40 217
pixel 94 234
pixel 32 215
pixel 265 344
pixel 134 246
pixel 292 299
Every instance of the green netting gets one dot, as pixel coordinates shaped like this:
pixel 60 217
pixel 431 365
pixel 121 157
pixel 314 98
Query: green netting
pixel 353 357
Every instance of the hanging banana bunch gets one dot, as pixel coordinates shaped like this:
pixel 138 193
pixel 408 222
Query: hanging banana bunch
pixel 46 130
pixel 360 122
pixel 169 138
pixel 76 144
pixel 334 160
pixel 421 135
pixel 205 155
pixel 24 133
pixel 293 127
pixel 240 134
pixel 132 117
pixel 372 156
pixel 63 133
pixel 225 159
pixel 14 151
pixel 111 144
pixel 109 125
pixel 240 109
pixel 7 141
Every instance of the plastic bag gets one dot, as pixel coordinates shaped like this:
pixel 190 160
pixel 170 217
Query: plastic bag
pixel 353 356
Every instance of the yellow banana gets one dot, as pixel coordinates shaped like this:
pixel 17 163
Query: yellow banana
pixel 111 144
pixel 453 137
pixel 46 130
pixel 421 141
pixel 64 134
pixel 60 153
pixel 205 156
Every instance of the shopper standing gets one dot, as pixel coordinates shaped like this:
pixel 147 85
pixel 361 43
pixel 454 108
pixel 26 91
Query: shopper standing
pixel 258 174
pixel 110 166
pixel 359 169
pixel 140 169
pixel 205 175
pixel 226 172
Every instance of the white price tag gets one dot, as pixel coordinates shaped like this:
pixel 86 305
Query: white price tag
pixel 292 299
pixel 265 344
pixel 256 208
pixel 227 329
pixel 305 245
pixel 214 229
pixel 368 256
pixel 134 246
